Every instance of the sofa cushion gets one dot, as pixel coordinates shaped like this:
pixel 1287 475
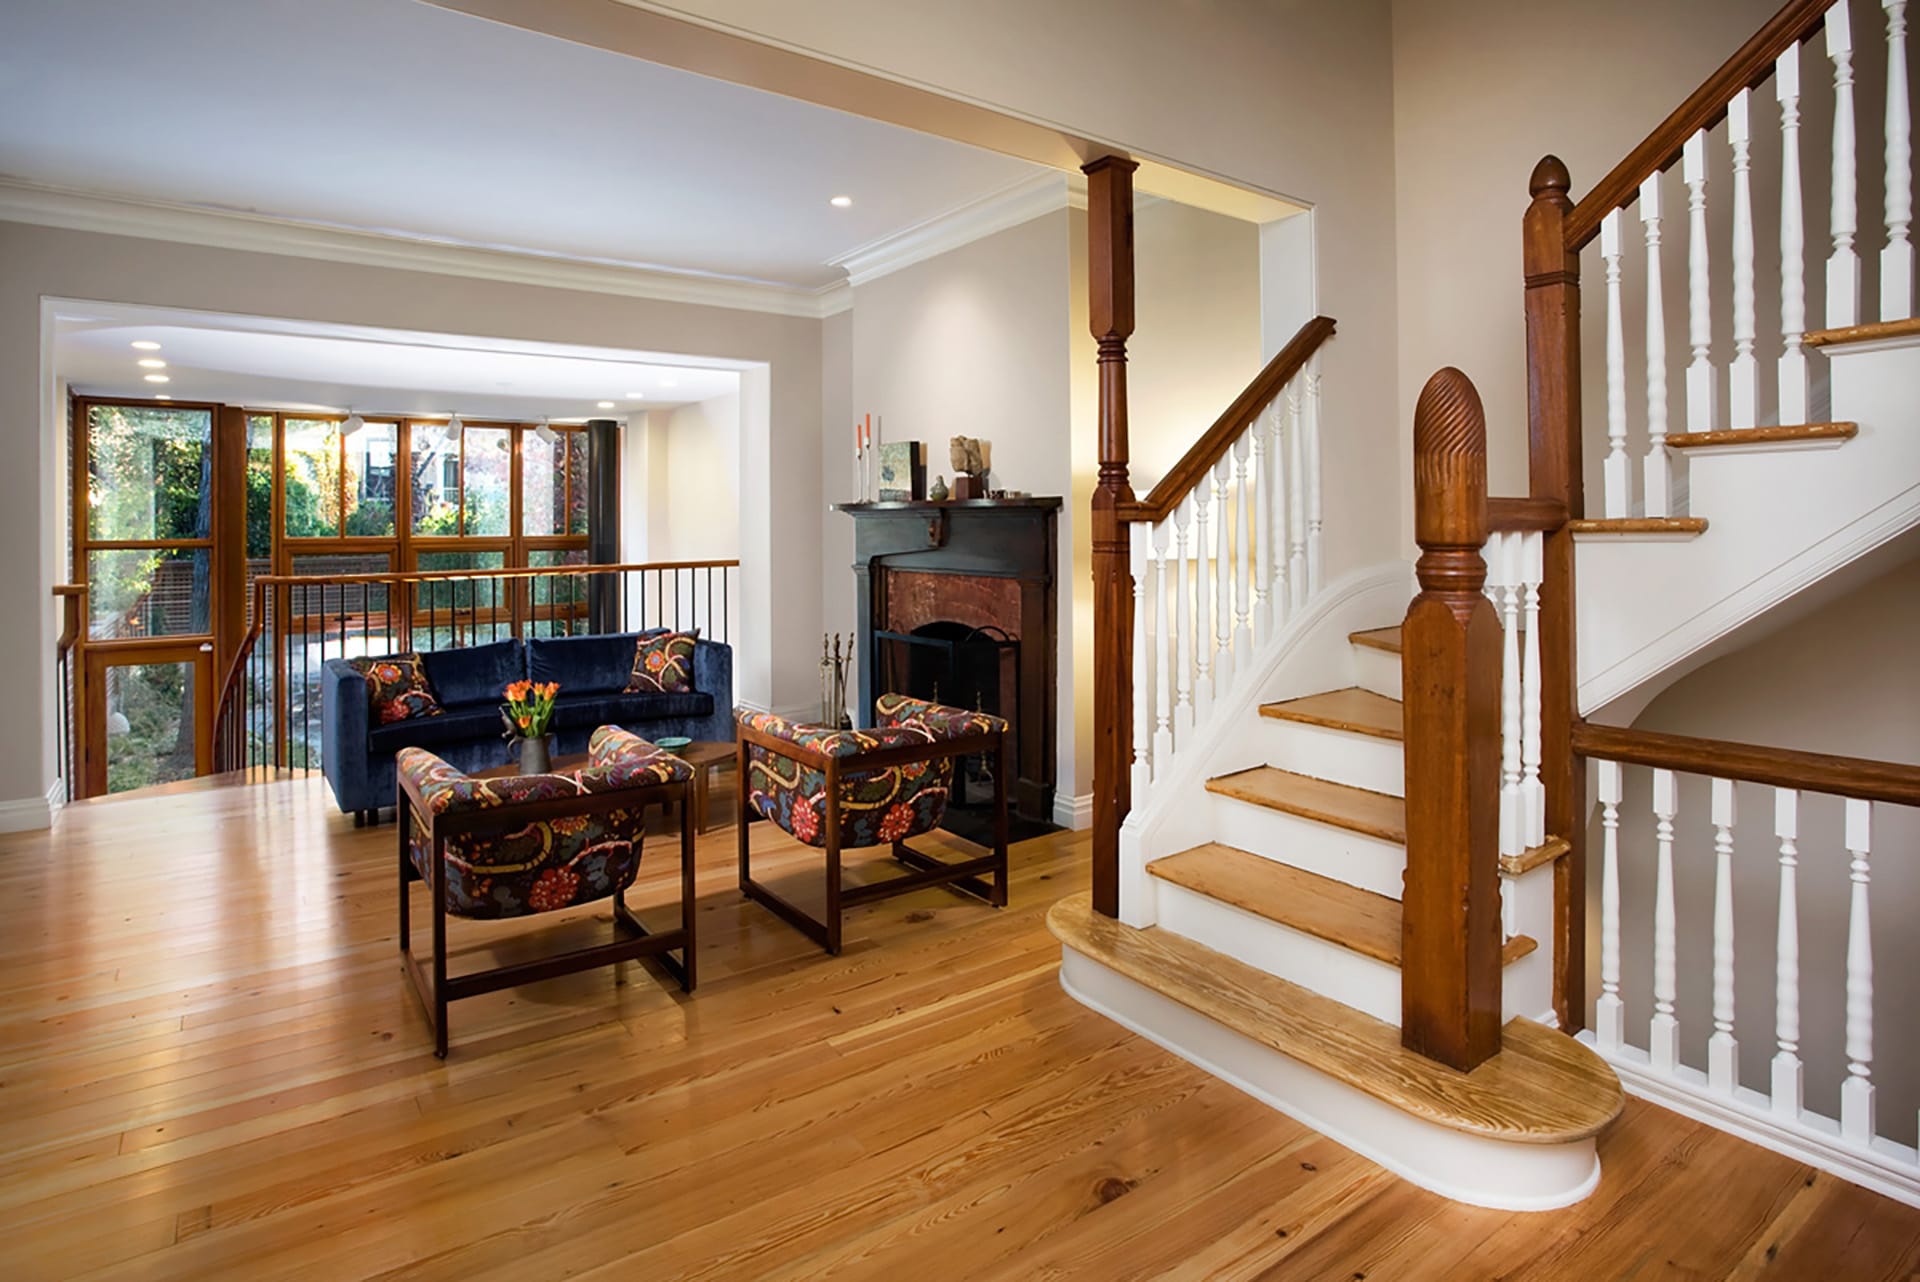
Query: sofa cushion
pixel 663 664
pixel 472 673
pixel 397 688
pixel 460 724
pixel 594 664
pixel 627 709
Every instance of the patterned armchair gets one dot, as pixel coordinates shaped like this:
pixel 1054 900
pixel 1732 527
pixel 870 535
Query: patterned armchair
pixel 842 789
pixel 513 846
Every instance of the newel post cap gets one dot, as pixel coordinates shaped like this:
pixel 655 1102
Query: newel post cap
pixel 1449 464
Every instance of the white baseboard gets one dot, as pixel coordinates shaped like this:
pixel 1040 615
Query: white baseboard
pixel 1884 1166
pixel 26 814
pixel 1073 812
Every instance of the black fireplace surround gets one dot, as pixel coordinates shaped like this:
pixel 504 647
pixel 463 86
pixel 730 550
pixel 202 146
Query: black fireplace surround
pixel 956 600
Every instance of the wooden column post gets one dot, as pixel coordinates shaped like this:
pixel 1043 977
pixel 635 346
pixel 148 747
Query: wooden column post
pixel 1450 924
pixel 1553 432
pixel 1110 280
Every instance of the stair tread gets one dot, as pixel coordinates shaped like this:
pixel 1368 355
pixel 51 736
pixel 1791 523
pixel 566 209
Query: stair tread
pixel 1387 639
pixel 1625 525
pixel 1373 813
pixel 1542 1088
pixel 1331 910
pixel 1802 433
pixel 1354 709
pixel 1361 920
pixel 1863 333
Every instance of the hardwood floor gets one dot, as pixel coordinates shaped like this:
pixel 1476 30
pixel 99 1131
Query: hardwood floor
pixel 211 1067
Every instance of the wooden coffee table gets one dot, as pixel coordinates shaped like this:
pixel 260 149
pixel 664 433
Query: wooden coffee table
pixel 705 756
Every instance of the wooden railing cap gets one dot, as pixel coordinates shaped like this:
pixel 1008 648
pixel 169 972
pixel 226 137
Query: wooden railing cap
pixel 1550 175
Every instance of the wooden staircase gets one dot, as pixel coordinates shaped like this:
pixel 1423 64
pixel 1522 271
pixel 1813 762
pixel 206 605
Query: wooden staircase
pixel 1278 948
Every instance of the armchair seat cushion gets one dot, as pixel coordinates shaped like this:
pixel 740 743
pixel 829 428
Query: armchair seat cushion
pixel 604 709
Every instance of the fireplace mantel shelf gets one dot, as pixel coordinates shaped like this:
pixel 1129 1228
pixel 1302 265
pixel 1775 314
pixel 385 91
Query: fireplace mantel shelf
pixel 970 505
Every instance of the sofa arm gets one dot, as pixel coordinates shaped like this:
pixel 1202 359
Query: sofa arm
pixel 343 736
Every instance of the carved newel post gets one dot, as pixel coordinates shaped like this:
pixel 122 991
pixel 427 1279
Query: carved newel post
pixel 1450 985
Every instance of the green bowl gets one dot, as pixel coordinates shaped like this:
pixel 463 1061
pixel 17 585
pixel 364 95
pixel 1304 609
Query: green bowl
pixel 673 743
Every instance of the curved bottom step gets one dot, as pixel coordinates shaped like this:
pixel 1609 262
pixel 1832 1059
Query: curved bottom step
pixel 1515 1135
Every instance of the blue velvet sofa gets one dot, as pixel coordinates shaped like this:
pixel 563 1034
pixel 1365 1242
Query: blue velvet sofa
pixel 357 756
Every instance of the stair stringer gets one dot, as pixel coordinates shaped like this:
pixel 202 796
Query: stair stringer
pixel 1309 654
pixel 1779 521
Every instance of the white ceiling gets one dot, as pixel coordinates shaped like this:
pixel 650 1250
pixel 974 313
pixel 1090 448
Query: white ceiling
pixel 401 117
pixel 267 364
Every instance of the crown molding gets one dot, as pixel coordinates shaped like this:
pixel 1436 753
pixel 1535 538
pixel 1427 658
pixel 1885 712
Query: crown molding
pixel 73 210
pixel 1024 201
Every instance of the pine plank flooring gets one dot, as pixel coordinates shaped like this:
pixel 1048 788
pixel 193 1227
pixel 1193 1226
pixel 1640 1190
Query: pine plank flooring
pixel 211 1068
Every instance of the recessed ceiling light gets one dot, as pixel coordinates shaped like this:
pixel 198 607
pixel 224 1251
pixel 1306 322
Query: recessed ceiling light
pixel 151 362
pixel 145 345
pixel 604 405
pixel 841 202
pixel 669 382
pixel 158 378
pixel 161 396
pixel 636 396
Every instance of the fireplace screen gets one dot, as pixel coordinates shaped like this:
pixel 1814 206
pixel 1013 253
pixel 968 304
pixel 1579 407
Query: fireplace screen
pixel 963 667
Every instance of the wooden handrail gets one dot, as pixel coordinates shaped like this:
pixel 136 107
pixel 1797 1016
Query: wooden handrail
pixel 1703 109
pixel 1511 515
pixel 1207 451
pixel 1854 777
pixel 73 624
pixel 504 572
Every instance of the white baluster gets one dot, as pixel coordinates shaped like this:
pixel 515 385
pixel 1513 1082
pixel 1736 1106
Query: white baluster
pixel 1223 653
pixel 1700 380
pixel 1856 1093
pixel 1315 553
pixel 1658 468
pixel 1793 242
pixel 1242 628
pixel 1202 596
pixel 1663 1032
pixel 1507 547
pixel 1619 491
pixel 1163 645
pixel 1896 260
pixel 1723 1053
pixel 1743 395
pixel 1296 502
pixel 1139 551
pixel 1264 616
pixel 1533 792
pixel 1787 1090
pixel 1609 1013
pixel 1843 265
pixel 1182 624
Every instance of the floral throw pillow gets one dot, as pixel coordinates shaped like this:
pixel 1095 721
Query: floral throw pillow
pixel 397 688
pixel 663 664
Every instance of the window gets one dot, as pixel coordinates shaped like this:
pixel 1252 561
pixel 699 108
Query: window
pixel 146 551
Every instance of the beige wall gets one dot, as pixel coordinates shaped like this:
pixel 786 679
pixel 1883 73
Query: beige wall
pixel 43 262
pixel 836 479
pixel 975 342
pixel 1294 97
pixel 702 491
pixel 1840 680
pixel 1482 90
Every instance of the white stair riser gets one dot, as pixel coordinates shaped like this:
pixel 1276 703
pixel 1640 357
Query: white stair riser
pixel 1342 756
pixel 1376 670
pixel 1308 844
pixel 1526 987
pixel 1466 1168
pixel 1307 960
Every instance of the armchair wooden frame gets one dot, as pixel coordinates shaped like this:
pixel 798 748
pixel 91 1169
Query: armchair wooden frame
pixel 965 876
pixel 632 941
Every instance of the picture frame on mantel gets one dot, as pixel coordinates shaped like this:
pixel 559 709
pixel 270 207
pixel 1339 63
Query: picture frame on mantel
pixel 903 471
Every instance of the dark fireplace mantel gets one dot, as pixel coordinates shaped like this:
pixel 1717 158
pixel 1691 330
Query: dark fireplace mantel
pixel 995 561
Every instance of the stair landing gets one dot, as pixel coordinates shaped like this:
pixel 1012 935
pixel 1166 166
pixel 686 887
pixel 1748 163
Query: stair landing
pixel 1542 1088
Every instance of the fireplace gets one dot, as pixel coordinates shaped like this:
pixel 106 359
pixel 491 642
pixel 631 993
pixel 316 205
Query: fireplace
pixel 957 601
